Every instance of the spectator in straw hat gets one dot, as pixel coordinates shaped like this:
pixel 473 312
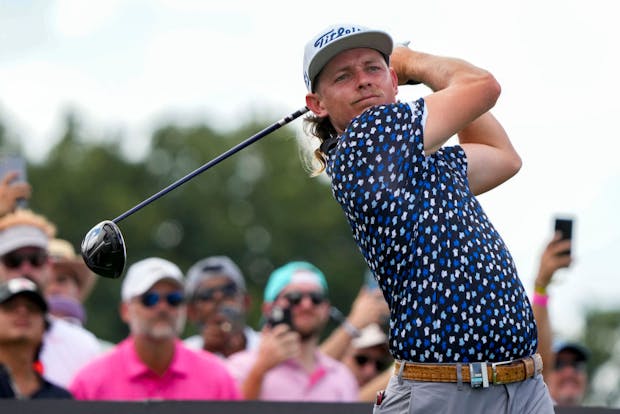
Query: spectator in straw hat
pixel 69 284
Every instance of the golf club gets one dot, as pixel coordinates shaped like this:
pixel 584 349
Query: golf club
pixel 103 247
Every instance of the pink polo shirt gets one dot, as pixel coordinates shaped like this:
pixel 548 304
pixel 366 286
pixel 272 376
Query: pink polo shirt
pixel 120 375
pixel 331 380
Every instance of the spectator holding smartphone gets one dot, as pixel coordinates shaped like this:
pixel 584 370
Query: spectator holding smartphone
pixel 11 191
pixel 563 363
pixel 288 364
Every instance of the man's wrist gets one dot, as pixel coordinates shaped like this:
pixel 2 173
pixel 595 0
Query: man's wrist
pixel 350 329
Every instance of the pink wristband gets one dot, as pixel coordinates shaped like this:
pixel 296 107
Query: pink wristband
pixel 540 300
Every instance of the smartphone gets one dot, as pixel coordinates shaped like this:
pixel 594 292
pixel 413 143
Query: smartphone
pixel 280 315
pixel 14 162
pixel 565 227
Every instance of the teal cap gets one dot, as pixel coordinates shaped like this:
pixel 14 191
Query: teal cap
pixel 292 272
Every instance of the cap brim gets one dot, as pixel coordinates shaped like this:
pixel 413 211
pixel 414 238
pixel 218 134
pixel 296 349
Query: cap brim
pixel 371 39
pixel 34 296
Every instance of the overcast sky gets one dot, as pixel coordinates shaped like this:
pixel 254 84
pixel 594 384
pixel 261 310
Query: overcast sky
pixel 128 66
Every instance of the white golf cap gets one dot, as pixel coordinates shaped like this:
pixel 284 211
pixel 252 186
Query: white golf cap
pixel 142 275
pixel 338 38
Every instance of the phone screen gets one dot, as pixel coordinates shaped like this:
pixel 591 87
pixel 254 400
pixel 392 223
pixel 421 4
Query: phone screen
pixel 565 227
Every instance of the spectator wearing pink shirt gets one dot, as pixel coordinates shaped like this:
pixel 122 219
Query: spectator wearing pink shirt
pixel 288 365
pixel 152 363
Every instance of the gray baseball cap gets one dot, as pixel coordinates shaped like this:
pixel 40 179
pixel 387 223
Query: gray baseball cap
pixel 338 38
pixel 211 267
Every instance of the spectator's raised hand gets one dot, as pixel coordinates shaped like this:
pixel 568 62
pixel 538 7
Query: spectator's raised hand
pixel 11 192
pixel 369 307
pixel 278 344
pixel 552 259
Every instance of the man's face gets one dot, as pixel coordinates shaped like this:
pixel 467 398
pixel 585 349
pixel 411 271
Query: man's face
pixel 211 294
pixel 367 363
pixel 309 308
pixel 350 83
pixel 21 321
pixel 30 262
pixel 62 281
pixel 159 314
pixel 568 379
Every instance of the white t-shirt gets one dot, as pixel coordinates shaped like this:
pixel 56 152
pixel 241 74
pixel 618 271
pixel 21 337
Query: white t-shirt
pixel 66 348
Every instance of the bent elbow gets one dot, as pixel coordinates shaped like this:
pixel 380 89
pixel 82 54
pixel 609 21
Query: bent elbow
pixel 493 88
pixel 515 164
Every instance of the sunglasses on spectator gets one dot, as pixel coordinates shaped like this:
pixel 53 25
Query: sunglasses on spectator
pixel 295 298
pixel 380 364
pixel 14 260
pixel 150 299
pixel 228 291
pixel 576 365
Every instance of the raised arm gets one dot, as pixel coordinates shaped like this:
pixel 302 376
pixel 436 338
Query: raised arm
pixel 551 260
pixel 462 92
pixel 491 158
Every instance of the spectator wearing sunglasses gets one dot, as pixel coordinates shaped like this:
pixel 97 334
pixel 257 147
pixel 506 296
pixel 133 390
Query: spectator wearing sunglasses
pixel 564 363
pixel 218 303
pixel 153 363
pixel 24 252
pixel 288 364
pixel 369 355
pixel 568 379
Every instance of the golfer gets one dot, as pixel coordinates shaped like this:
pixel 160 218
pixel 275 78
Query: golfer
pixel 461 328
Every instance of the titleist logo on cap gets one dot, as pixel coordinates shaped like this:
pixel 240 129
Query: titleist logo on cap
pixel 333 34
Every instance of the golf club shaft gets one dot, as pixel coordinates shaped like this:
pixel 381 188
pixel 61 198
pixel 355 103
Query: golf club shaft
pixel 214 161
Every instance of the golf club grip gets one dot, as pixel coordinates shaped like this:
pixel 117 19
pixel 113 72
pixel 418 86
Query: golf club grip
pixel 268 130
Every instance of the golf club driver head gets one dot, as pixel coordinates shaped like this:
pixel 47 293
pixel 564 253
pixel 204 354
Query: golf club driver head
pixel 103 250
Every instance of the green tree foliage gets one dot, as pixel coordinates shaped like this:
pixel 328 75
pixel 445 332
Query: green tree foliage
pixel 260 207
pixel 601 337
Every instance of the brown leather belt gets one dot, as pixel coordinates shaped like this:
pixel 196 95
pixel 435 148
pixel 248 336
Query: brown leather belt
pixel 479 374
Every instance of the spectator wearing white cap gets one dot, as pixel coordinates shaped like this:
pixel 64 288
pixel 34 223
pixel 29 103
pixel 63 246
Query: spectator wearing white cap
pixel 368 355
pixel 24 244
pixel 218 303
pixel 288 364
pixel 22 325
pixel 153 363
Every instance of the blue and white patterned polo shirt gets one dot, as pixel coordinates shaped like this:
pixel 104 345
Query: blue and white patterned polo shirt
pixel 448 277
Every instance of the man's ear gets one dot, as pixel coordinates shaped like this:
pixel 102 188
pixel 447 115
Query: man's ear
pixel 314 103
pixel 123 310
pixel 192 311
pixel 394 77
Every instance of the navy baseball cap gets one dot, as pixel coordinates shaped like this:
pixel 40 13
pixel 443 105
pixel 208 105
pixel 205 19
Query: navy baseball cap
pixel 580 351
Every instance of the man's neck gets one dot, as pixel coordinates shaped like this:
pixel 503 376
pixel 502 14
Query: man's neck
pixel 18 361
pixel 307 356
pixel 156 354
